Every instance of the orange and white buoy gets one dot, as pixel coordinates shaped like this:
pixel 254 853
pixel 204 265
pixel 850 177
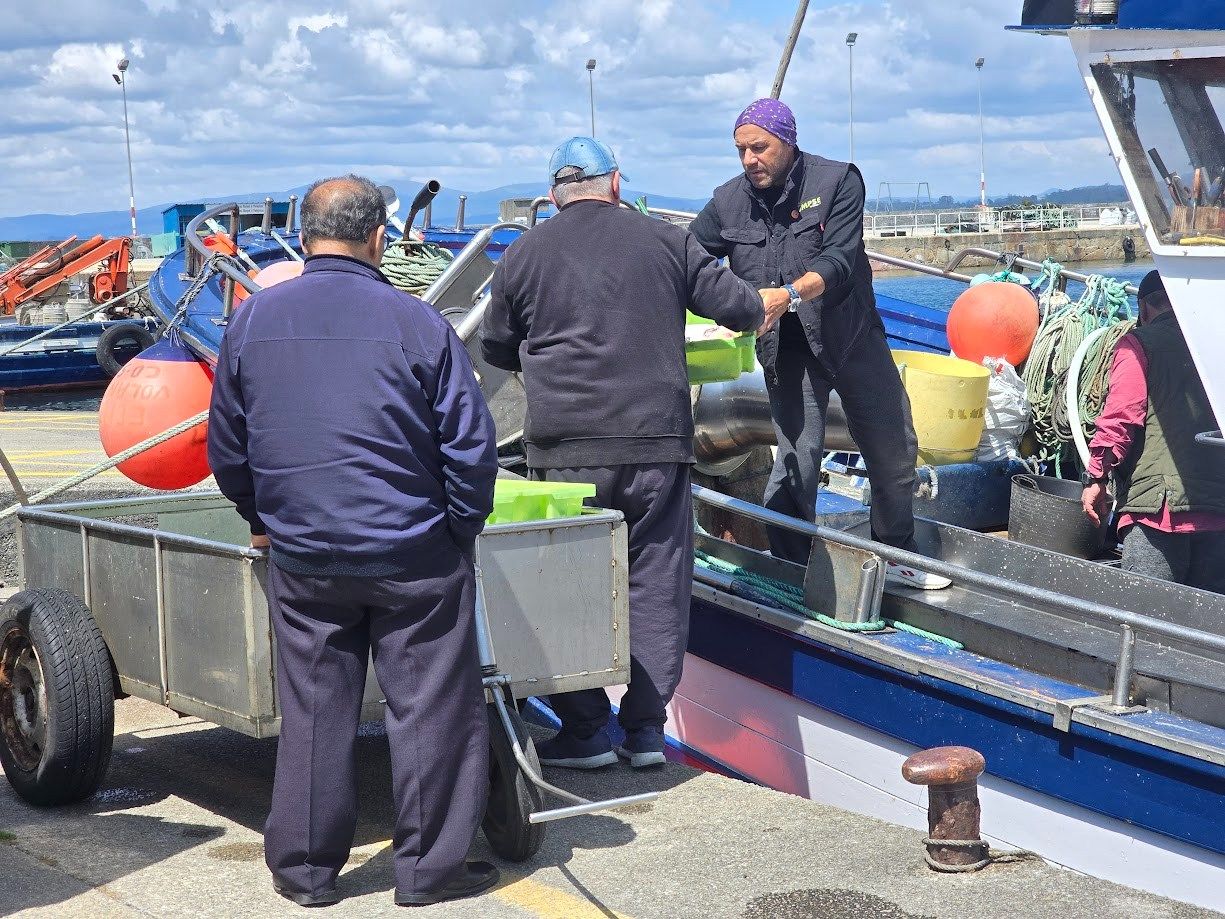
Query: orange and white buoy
pixel 157 389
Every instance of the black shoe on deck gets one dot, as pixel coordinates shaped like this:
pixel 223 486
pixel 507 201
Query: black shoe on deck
pixel 476 877
pixel 327 898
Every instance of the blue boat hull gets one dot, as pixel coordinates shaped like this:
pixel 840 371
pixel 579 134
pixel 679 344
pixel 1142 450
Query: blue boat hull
pixel 66 359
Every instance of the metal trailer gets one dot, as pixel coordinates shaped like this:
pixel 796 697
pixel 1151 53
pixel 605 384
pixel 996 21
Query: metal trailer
pixel 161 598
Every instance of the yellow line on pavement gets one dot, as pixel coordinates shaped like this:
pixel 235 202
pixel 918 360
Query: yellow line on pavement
pixel 19 455
pixel 539 899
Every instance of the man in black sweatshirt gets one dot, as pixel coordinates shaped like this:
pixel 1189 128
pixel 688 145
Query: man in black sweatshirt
pixel 348 428
pixel 590 306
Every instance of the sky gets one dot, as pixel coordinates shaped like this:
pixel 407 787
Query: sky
pixel 238 96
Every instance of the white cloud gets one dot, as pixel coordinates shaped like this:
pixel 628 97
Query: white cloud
pixel 266 95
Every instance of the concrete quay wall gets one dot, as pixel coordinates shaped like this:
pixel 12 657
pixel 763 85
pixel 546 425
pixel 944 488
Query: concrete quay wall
pixel 1067 247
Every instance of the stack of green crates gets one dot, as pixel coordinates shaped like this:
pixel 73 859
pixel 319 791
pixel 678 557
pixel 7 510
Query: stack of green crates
pixel 717 360
pixel 518 500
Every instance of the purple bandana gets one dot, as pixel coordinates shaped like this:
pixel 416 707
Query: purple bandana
pixel 770 115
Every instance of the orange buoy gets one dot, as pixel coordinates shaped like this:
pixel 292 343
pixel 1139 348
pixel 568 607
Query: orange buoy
pixel 160 387
pixel 995 319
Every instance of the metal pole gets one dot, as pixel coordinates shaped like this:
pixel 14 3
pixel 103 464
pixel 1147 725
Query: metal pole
pixel 850 96
pixel 982 146
pixel 127 139
pixel 591 91
pixel 785 61
pixel 459 213
pixel 1123 669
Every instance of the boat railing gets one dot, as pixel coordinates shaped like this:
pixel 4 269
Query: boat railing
pixel 949 271
pixel 198 254
pixel 1129 623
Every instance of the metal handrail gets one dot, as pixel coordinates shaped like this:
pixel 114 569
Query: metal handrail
pixel 233 275
pixel 963 254
pixel 963 575
pixel 467 255
pixel 949 271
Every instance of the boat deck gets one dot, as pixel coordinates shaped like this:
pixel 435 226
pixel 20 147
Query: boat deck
pixel 176 831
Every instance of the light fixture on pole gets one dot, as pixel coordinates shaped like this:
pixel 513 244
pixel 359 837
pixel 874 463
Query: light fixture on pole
pixel 127 139
pixel 982 147
pixel 591 90
pixel 850 97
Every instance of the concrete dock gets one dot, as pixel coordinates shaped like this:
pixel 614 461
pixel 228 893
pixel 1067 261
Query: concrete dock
pixel 176 829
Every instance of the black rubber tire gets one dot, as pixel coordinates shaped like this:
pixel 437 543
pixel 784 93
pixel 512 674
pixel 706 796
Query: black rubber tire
pixel 118 344
pixel 512 797
pixel 67 760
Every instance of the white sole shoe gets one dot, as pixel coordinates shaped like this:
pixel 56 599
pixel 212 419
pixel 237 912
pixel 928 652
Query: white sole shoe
pixel 641 760
pixel 912 577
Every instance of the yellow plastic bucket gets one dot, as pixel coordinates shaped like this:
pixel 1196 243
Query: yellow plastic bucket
pixel 948 400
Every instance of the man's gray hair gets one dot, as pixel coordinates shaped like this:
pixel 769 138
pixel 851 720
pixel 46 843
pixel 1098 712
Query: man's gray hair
pixel 349 211
pixel 595 187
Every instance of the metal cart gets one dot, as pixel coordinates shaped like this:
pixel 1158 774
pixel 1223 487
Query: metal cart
pixel 161 598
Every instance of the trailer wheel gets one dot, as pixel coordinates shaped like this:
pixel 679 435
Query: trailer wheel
pixel 118 344
pixel 512 796
pixel 57 703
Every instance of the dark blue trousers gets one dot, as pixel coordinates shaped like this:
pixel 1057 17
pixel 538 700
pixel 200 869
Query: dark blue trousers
pixel 658 509
pixel 420 629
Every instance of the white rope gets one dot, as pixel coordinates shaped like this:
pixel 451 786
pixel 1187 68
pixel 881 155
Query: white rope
pixel 114 461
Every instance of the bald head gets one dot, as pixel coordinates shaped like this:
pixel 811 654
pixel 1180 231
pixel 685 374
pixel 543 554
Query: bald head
pixel 345 215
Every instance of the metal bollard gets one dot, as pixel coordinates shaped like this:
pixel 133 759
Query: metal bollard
pixel 954 843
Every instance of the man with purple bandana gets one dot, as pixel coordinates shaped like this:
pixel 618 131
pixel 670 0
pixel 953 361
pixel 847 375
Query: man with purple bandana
pixel 792 225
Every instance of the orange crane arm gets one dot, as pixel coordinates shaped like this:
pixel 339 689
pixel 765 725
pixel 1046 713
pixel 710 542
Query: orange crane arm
pixel 33 282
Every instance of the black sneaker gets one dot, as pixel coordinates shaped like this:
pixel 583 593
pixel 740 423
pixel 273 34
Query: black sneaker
pixel 473 878
pixel 564 749
pixel 327 898
pixel 643 747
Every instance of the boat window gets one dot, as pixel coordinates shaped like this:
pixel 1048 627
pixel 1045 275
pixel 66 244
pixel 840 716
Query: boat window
pixel 1167 114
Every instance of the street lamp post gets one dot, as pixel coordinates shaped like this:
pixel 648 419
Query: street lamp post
pixel 591 90
pixel 127 139
pixel 982 147
pixel 850 97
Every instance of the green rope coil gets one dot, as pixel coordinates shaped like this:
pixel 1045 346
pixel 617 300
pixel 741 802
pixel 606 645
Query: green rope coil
pixel 1064 326
pixel 791 597
pixel 412 266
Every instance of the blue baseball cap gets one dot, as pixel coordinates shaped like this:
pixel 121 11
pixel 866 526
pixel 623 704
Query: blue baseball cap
pixel 584 153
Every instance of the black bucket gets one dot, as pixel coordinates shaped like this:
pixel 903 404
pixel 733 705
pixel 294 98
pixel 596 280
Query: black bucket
pixel 1046 512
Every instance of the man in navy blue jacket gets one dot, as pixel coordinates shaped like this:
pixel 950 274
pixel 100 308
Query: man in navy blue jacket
pixel 348 428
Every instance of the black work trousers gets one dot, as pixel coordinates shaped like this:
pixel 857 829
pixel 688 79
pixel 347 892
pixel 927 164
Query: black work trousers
pixel 1194 559
pixel 421 630
pixel 878 416
pixel 658 509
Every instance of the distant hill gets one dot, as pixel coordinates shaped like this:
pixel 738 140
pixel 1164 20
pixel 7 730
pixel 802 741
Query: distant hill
pixel 481 207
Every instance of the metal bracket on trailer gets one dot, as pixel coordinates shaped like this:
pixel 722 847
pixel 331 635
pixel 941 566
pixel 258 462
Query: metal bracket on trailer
pixel 580 805
pixel 495 684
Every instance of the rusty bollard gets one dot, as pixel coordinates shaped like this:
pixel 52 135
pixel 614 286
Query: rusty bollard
pixel 951 776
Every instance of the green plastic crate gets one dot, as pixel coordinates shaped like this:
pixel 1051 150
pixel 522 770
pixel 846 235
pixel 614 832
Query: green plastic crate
pixel 718 360
pixel 518 500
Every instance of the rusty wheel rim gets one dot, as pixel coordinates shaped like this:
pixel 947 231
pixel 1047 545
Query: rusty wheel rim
pixel 23 699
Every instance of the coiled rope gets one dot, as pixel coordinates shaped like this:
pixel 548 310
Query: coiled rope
pixel 1064 327
pixel 412 265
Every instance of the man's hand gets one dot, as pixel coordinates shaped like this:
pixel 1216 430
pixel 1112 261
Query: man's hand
pixel 1094 500
pixel 259 542
pixel 776 301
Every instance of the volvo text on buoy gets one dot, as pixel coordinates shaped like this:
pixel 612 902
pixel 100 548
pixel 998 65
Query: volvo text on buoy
pixel 154 391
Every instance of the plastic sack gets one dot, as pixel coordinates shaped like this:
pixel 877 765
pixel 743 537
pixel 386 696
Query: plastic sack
pixel 1007 414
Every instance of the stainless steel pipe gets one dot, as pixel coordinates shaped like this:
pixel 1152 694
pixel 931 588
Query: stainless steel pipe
pixel 730 419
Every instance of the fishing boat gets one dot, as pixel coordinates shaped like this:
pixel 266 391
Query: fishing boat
pixel 1096 696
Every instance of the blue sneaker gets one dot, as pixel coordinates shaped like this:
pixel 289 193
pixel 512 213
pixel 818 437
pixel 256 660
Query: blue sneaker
pixel 643 747
pixel 564 749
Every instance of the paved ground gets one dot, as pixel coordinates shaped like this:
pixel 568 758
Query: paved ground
pixel 176 832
